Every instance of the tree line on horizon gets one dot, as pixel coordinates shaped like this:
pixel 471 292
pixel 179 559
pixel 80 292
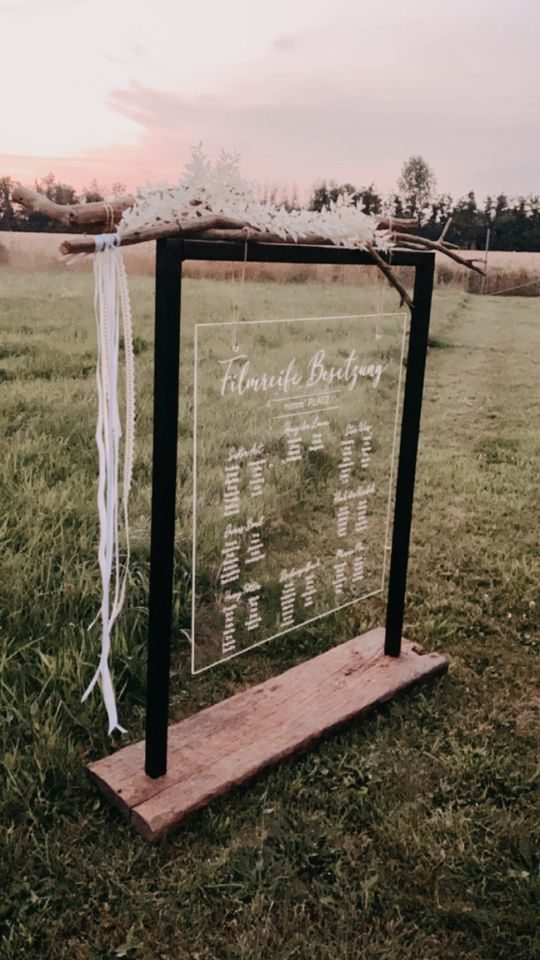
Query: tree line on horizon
pixel 513 222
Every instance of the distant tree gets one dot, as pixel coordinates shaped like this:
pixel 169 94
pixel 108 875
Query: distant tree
pixel 441 208
pixel 489 207
pixel 326 192
pixel 56 191
pixel 395 206
pixel 344 190
pixel 263 190
pixel 93 193
pixel 272 193
pixel 320 197
pixel 118 190
pixel 515 224
pixel 531 239
pixel 369 199
pixel 501 204
pixel 469 224
pixel 295 199
pixel 46 185
pixel 436 216
pixel 416 186
pixel 8 218
pixel 284 196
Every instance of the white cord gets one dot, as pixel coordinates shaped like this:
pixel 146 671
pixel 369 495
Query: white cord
pixel 113 311
pixel 518 286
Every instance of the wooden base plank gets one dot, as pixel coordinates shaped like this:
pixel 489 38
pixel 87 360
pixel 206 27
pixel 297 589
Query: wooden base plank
pixel 226 744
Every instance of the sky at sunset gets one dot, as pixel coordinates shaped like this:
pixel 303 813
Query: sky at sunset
pixel 302 89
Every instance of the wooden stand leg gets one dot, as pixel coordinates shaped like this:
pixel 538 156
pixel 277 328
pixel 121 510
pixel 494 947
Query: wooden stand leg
pixel 230 742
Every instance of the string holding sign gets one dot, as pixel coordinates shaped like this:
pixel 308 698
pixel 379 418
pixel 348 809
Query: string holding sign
pixel 238 297
pixel 113 315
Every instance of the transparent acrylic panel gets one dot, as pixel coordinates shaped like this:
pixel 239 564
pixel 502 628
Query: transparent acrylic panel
pixel 294 447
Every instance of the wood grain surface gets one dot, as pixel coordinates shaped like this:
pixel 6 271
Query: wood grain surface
pixel 226 744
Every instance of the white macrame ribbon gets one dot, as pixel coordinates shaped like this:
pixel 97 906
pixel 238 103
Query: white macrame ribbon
pixel 113 311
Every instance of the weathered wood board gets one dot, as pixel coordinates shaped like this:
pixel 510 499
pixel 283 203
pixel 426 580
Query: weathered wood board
pixel 228 743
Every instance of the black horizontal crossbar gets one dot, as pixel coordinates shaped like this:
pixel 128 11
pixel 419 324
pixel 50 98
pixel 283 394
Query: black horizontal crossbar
pixel 290 253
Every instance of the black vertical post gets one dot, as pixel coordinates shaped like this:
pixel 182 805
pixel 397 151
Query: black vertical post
pixel 408 448
pixel 164 457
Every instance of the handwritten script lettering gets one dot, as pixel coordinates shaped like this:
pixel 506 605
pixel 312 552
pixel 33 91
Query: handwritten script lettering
pixel 239 378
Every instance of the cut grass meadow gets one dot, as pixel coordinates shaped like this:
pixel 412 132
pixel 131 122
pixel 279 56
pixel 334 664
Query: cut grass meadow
pixel 413 834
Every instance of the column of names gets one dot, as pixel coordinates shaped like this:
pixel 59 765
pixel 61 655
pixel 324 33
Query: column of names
pixel 243 546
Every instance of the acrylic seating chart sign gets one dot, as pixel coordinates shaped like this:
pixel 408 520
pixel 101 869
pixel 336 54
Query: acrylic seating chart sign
pixel 294 450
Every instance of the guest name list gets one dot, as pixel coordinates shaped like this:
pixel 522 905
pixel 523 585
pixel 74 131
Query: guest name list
pixel 296 498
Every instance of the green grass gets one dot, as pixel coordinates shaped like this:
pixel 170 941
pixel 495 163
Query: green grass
pixel 410 836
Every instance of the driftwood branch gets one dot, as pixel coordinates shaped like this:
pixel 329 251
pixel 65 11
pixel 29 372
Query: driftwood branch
pixel 97 215
pixel 399 223
pixel 102 216
pixel 176 228
pixel 207 228
pixel 390 276
pixel 210 227
pixel 410 241
pixel 74 214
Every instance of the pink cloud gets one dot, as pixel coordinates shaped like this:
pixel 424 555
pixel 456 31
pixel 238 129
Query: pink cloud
pixel 287 141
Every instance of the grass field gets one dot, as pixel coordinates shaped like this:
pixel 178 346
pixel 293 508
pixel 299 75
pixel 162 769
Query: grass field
pixel 410 836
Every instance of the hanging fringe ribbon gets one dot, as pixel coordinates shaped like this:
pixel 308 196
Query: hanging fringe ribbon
pixel 113 311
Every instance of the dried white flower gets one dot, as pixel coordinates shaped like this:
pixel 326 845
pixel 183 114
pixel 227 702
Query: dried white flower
pixel 204 188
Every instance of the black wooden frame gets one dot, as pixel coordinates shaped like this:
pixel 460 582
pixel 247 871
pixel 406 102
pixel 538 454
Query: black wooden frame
pixel 169 258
